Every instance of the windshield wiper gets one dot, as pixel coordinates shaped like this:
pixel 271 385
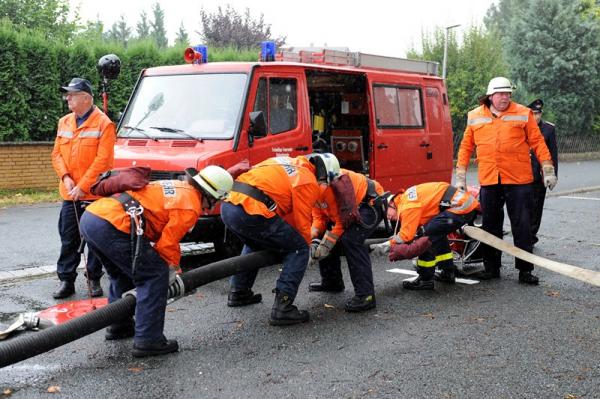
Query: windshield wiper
pixel 178 131
pixel 142 131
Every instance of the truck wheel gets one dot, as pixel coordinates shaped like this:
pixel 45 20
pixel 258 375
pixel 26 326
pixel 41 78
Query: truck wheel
pixel 228 249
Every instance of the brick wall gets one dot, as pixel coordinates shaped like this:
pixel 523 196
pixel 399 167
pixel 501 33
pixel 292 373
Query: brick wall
pixel 27 165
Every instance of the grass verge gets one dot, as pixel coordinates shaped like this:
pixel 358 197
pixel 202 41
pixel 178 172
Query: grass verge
pixel 27 196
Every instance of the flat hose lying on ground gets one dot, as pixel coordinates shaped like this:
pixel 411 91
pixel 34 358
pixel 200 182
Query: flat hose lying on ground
pixel 578 273
pixel 30 345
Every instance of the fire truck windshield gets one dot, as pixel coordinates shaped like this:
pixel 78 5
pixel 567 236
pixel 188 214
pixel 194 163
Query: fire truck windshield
pixel 203 106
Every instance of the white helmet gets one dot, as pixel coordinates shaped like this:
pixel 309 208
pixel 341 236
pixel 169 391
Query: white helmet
pixel 499 85
pixel 327 165
pixel 213 179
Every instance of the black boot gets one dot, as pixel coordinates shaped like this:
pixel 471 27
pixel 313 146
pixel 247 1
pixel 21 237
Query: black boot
pixel 243 298
pixel 95 288
pixel 360 303
pixel 161 347
pixel 65 290
pixel 525 277
pixel 125 329
pixel 491 271
pixel 284 313
pixel 445 276
pixel 424 280
pixel 326 287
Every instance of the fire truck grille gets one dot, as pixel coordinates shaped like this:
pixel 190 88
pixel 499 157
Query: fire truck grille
pixel 166 175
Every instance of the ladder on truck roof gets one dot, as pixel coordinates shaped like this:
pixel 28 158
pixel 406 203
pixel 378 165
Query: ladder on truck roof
pixel 361 60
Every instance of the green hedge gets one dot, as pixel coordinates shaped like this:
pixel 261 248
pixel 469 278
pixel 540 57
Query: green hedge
pixel 34 68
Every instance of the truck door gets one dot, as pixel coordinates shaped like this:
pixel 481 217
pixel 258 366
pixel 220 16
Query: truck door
pixel 282 100
pixel 440 134
pixel 401 155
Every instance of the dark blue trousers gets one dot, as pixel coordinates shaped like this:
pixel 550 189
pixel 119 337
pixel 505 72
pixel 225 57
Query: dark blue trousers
pixel 257 233
pixel 437 229
pixel 69 259
pixel 357 254
pixel 519 202
pixel 539 196
pixel 151 278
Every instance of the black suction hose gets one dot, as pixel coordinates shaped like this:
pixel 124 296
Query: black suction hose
pixel 30 345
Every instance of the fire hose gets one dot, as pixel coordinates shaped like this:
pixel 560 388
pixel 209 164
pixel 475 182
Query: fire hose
pixel 578 273
pixel 27 346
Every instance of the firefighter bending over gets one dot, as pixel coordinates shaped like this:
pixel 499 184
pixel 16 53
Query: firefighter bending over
pixel 428 211
pixel 169 209
pixel 352 203
pixel 270 208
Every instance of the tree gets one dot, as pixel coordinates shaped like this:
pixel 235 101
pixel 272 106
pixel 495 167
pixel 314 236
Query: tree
pixel 143 26
pixel 561 64
pixel 182 38
pixel 93 31
pixel 470 65
pixel 48 16
pixel 159 34
pixel 119 32
pixel 227 28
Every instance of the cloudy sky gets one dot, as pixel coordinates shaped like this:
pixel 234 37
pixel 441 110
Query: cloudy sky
pixel 386 27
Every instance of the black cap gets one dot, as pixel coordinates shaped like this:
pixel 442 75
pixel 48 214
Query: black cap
pixel 536 105
pixel 78 84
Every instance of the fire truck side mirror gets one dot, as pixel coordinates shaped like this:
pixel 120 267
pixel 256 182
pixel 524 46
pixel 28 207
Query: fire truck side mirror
pixel 258 124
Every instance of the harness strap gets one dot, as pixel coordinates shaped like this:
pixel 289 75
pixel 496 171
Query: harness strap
pixel 254 193
pixel 135 211
pixel 446 201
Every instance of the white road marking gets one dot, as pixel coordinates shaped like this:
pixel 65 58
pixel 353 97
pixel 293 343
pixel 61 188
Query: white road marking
pixel 579 198
pixel 414 273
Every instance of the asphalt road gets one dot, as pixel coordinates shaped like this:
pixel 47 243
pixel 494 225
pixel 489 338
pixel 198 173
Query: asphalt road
pixel 493 339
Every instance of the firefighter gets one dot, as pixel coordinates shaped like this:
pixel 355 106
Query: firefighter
pixel 429 210
pixel 170 208
pixel 270 208
pixel 503 132
pixel 82 150
pixel 349 205
pixel 539 189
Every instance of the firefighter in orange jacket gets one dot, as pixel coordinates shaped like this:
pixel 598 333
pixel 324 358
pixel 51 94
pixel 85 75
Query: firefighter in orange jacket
pixel 431 210
pixel 82 150
pixel 270 208
pixel 504 132
pixel 169 209
pixel 348 206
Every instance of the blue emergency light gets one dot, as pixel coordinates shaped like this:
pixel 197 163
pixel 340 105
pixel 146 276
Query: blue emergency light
pixel 267 51
pixel 203 50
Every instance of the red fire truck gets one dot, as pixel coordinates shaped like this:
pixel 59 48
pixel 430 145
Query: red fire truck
pixel 385 117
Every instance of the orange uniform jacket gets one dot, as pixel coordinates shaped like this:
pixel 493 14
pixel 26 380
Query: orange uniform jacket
pixel 83 152
pixel 290 182
pixel 420 203
pixel 171 209
pixel 327 209
pixel 503 144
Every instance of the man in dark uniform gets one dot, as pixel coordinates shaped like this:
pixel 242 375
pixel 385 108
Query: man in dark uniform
pixel 539 189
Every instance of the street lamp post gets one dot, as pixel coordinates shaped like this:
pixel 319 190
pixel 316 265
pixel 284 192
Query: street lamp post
pixel 446 50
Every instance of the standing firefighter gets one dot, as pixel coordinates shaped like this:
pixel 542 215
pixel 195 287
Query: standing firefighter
pixel 539 189
pixel 429 211
pixel 504 132
pixel 351 205
pixel 168 209
pixel 270 207
pixel 83 149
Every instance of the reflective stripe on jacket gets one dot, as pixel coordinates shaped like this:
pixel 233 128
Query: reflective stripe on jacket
pixel 420 203
pixel 83 152
pixel 326 209
pixel 171 209
pixel 290 182
pixel 503 144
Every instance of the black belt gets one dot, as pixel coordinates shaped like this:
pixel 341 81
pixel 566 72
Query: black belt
pixel 254 193
pixel 371 193
pixel 446 201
